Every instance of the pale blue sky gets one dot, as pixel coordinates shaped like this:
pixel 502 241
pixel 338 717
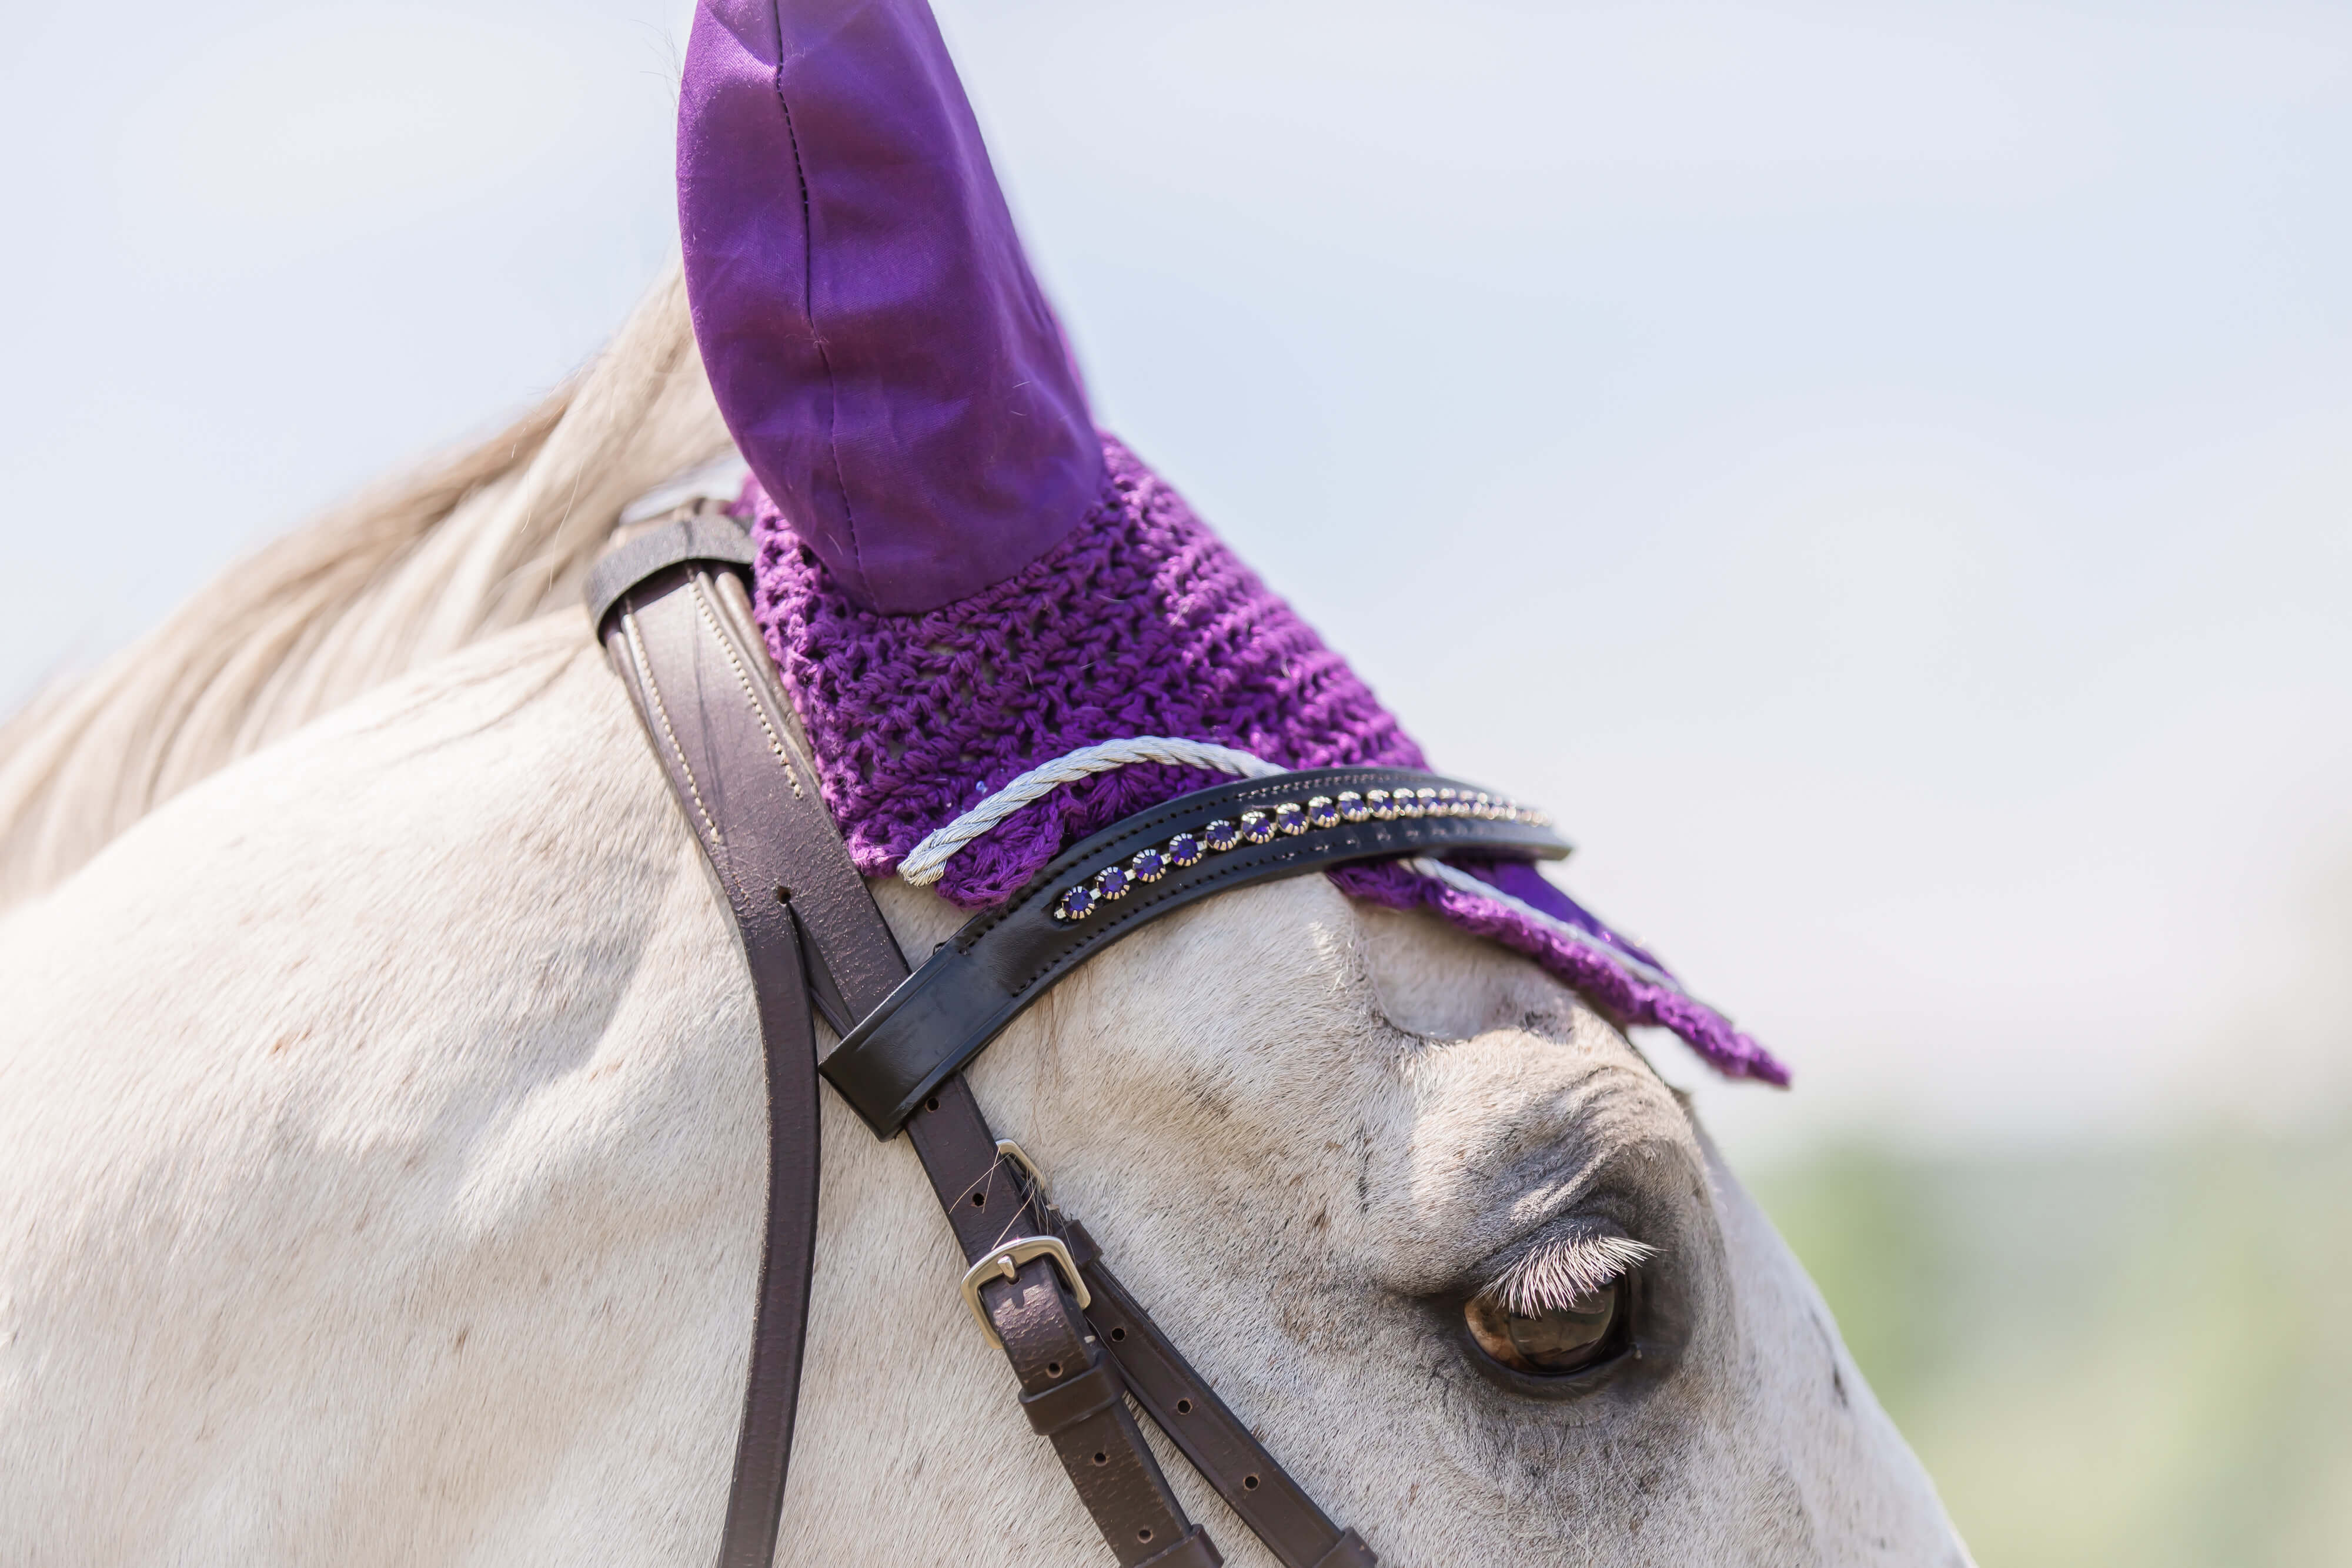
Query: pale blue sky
pixel 1880 471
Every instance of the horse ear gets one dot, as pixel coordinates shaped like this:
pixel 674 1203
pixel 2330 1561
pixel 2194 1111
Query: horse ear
pixel 870 327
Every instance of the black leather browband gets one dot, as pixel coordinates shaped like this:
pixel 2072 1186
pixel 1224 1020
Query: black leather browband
pixel 981 978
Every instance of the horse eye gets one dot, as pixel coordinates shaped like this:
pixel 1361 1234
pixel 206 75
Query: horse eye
pixel 1554 1341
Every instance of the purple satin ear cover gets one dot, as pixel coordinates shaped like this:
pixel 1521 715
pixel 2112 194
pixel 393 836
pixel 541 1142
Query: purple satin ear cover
pixel 869 325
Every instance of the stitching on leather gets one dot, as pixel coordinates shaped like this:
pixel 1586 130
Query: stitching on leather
pixel 1446 833
pixel 1181 806
pixel 1252 792
pixel 1049 876
pixel 743 679
pixel 1093 939
pixel 1121 922
pixel 661 711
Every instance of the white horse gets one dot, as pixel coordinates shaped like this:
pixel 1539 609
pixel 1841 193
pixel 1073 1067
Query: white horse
pixel 381 1140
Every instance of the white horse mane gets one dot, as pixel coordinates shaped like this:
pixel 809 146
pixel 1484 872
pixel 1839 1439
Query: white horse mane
pixel 417 566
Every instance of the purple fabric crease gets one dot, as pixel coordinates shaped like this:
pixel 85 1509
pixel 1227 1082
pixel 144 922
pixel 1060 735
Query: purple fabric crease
pixel 887 365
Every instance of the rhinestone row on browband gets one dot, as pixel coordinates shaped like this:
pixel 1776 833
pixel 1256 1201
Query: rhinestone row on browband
pixel 1289 819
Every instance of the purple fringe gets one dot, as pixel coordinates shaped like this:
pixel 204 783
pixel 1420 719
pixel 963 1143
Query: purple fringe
pixel 1625 999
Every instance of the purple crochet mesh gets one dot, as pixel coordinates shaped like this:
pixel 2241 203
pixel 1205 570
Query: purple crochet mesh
pixel 1140 621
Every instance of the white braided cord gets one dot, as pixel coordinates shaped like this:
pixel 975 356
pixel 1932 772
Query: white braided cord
pixel 1462 881
pixel 927 860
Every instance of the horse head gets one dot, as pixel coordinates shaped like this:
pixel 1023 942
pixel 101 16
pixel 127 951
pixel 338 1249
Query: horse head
pixel 400 1202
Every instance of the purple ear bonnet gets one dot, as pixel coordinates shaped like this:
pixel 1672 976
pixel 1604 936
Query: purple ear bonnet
pixel 959 577
pixel 884 358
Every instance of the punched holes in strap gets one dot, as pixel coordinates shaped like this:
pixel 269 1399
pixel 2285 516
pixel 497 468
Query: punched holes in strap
pixel 989 1198
pixel 1053 1411
pixel 1115 1476
pixel 1219 1444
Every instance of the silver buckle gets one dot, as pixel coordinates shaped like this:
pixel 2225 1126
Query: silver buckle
pixel 1007 1149
pixel 1004 1263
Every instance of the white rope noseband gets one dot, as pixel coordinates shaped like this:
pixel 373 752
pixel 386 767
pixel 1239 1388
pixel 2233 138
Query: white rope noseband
pixel 926 862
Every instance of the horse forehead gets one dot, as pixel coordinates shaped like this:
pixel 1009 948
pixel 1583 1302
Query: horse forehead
pixel 1513 1095
pixel 1452 1095
pixel 1437 1027
pixel 1302 942
pixel 1512 1120
pixel 1432 978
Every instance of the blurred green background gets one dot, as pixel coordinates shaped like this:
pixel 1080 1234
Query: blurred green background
pixel 2129 1354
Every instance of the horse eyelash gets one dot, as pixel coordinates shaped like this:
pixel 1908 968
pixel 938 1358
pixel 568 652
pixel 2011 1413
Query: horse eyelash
pixel 1555 1273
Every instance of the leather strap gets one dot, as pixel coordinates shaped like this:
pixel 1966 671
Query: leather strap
pixel 988 1202
pixel 720 747
pixel 1005 959
pixel 679 628
pixel 1219 1444
pixel 1054 1411
pixel 700 534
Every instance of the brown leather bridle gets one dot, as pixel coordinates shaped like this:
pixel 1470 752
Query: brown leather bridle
pixel 672 611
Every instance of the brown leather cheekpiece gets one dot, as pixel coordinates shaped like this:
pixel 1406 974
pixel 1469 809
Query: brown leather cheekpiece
pixel 720 726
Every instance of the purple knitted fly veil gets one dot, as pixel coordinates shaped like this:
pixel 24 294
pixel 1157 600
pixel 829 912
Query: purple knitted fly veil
pixel 1139 622
pixel 959 578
